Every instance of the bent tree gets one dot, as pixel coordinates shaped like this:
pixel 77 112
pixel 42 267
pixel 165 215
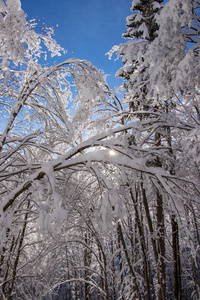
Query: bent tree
pixel 79 221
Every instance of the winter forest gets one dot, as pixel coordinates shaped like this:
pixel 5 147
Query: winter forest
pixel 100 188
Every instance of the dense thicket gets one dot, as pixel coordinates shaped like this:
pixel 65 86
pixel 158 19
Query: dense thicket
pixel 100 193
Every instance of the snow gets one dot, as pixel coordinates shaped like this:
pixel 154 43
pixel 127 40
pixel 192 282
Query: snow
pixel 14 4
pixel 2 6
pixel 87 173
pixel 135 3
pixel 138 17
pixel 113 50
pixel 156 5
pixel 144 29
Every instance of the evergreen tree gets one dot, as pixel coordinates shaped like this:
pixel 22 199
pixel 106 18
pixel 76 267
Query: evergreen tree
pixel 158 64
pixel 142 30
pixel 142 24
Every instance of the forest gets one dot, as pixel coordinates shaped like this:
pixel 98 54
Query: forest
pixel 100 188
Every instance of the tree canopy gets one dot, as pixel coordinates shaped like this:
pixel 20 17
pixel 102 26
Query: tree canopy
pixel 100 191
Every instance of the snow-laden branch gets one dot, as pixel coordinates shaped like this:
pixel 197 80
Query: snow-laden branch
pixel 70 159
pixel 71 66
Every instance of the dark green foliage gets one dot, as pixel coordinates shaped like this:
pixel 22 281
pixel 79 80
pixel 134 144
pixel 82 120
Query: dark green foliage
pixel 144 13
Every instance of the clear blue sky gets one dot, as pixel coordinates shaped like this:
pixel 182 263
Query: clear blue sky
pixel 87 29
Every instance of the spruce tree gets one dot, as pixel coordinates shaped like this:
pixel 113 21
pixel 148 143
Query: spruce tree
pixel 142 23
pixel 142 30
pixel 158 64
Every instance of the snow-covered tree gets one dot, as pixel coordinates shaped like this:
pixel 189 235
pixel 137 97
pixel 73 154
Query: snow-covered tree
pixel 158 71
pixel 99 200
pixel 173 57
pixel 142 30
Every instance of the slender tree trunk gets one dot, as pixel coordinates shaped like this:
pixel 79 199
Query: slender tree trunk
pixel 21 239
pixel 154 245
pixel 87 262
pixel 147 271
pixel 161 246
pixel 4 251
pixel 176 259
pixel 113 271
pixel 131 268
pixel 175 232
pixel 8 266
pixel 120 263
pixel 161 230
pixel 68 296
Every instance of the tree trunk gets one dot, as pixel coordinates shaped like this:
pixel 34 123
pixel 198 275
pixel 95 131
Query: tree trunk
pixel 21 239
pixel 120 263
pixel 161 247
pixel 176 259
pixel 131 268
pixel 87 262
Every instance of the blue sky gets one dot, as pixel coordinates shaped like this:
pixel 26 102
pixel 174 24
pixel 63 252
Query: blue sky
pixel 87 29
